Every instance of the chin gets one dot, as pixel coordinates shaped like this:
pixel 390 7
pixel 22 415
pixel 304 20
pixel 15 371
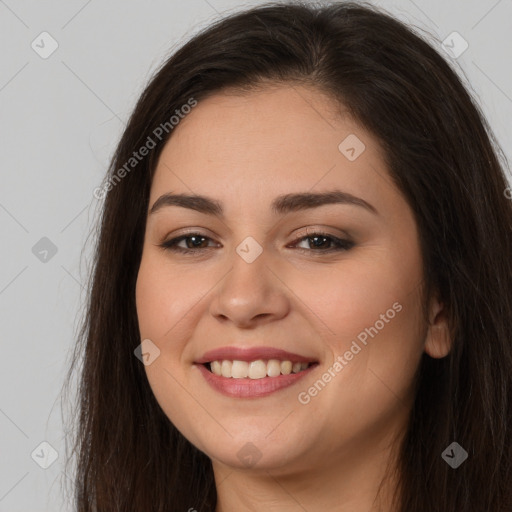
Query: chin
pixel 256 451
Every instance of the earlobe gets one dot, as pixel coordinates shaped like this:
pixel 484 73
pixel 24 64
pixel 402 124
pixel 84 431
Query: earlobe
pixel 438 340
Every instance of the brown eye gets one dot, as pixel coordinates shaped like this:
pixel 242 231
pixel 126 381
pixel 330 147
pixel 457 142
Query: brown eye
pixel 193 243
pixel 323 242
pixel 317 243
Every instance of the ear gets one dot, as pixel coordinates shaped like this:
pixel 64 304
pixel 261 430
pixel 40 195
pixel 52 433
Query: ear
pixel 438 340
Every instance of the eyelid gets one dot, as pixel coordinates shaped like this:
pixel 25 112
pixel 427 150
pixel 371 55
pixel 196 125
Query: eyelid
pixel 312 230
pixel 341 243
pixel 309 230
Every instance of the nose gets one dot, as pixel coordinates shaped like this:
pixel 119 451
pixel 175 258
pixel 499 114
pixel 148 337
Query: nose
pixel 250 294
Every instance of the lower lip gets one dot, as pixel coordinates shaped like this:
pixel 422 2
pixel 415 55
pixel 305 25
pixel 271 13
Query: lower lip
pixel 251 388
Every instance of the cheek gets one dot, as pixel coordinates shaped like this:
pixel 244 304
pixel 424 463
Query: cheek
pixel 165 314
pixel 378 338
pixel 372 312
pixel 353 295
pixel 165 298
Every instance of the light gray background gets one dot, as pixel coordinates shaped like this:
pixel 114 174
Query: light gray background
pixel 60 119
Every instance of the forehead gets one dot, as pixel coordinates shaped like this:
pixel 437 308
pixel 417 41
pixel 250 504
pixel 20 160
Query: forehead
pixel 241 147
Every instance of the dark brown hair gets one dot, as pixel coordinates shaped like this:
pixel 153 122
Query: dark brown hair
pixel 444 159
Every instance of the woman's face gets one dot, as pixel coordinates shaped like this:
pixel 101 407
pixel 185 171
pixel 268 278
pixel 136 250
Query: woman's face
pixel 285 176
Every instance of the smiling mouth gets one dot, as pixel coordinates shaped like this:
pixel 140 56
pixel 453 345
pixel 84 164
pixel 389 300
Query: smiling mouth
pixel 258 369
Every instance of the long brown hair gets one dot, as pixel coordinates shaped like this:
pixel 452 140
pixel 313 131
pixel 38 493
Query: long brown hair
pixel 442 156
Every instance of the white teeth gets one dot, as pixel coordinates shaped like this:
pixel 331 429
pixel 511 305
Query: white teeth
pixel 215 366
pixel 273 368
pixel 225 368
pixel 297 367
pixel 255 369
pixel 239 370
pixel 286 367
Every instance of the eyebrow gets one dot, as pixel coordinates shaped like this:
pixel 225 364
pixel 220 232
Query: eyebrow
pixel 280 205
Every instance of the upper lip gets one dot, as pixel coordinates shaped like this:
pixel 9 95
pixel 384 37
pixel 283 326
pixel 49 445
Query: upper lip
pixel 248 354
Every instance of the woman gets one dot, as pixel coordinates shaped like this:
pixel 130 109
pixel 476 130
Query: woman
pixel 302 283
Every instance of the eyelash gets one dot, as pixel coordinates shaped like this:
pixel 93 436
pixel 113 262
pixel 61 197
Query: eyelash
pixel 342 244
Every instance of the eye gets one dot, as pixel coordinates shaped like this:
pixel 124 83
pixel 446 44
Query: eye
pixel 197 241
pixel 321 243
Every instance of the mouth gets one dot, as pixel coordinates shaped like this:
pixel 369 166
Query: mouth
pixel 253 372
pixel 258 369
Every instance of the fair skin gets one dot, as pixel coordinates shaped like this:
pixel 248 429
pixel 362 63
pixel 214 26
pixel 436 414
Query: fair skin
pixel 244 150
